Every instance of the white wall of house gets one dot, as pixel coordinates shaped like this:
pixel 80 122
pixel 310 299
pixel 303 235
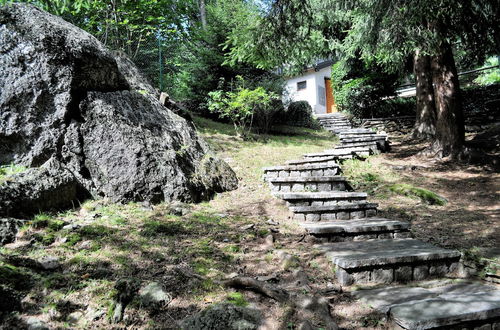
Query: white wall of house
pixel 314 93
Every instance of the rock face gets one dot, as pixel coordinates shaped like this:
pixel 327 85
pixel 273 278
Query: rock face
pixel 224 316
pixel 8 230
pixel 63 96
pixel 51 186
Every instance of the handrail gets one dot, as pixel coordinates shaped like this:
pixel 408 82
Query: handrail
pixel 459 74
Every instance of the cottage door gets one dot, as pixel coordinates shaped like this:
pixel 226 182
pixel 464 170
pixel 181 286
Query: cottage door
pixel 330 100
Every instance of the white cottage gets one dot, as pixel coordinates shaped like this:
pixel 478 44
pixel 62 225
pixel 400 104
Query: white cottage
pixel 314 86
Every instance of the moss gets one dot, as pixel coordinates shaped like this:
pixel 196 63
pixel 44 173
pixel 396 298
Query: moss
pixel 14 277
pixel 236 298
pixel 72 239
pixel 48 238
pixel 155 227
pixel 425 195
pixel 41 220
pixel 56 224
pixel 96 231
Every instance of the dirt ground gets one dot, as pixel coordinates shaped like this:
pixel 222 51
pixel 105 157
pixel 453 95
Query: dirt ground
pixel 246 232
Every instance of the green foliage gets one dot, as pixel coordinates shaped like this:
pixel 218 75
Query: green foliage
pixel 72 239
pixel 425 195
pixel 241 105
pixel 490 76
pixel 300 114
pixel 95 231
pixel 237 299
pixel 363 91
pixel 8 170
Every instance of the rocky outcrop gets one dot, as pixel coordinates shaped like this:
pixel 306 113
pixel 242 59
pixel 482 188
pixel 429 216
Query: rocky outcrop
pixel 224 316
pixel 67 99
pixel 50 186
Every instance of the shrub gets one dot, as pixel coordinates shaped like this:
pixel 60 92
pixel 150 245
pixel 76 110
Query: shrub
pixel 491 76
pixel 362 92
pixel 242 105
pixel 300 113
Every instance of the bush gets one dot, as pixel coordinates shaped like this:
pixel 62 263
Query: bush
pixel 363 92
pixel 243 106
pixel 266 117
pixel 491 76
pixel 299 113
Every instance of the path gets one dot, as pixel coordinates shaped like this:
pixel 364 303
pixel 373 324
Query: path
pixel 367 249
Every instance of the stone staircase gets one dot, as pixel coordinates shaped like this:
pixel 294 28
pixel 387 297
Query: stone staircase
pixel 363 247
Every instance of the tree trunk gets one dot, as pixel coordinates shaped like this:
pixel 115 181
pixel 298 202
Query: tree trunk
pixel 203 14
pixel 425 124
pixel 450 131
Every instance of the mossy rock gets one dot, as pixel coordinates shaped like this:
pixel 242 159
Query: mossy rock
pixel 224 316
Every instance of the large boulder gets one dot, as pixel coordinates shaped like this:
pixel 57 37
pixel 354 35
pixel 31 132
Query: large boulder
pixel 65 97
pixel 48 187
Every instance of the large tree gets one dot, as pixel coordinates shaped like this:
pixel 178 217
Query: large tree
pixel 387 32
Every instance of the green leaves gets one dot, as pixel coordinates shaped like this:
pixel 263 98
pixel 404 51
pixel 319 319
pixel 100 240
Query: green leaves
pixel 240 105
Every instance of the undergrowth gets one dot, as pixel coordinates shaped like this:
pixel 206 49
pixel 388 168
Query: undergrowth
pixel 9 170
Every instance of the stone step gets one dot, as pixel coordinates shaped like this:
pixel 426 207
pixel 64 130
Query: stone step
pixel 373 146
pixel 336 131
pixel 284 171
pixel 329 160
pixel 370 138
pixel 460 305
pixel 343 136
pixel 311 183
pixel 358 229
pixel 321 198
pixel 388 261
pixel 360 131
pixel 340 211
pixel 341 153
pixel 382 143
pixel 342 127
pixel 336 122
pixel 339 128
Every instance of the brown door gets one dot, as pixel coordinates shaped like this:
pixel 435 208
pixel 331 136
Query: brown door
pixel 330 100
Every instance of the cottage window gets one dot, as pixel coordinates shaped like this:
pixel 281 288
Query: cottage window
pixel 301 85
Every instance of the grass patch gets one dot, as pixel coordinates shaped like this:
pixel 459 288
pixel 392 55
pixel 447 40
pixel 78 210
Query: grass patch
pixel 8 170
pixel 155 227
pixel 237 298
pixel 96 231
pixel 425 195
pixel 14 277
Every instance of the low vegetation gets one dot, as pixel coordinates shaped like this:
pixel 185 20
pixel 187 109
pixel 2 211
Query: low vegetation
pixel 8 170
pixel 191 249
